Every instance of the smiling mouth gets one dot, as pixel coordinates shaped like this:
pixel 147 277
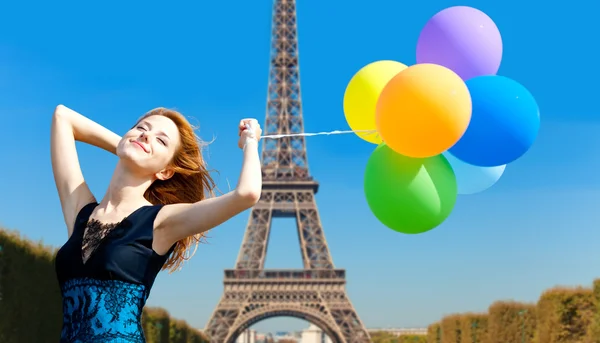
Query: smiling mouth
pixel 140 145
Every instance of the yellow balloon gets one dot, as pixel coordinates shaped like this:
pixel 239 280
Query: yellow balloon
pixel 362 94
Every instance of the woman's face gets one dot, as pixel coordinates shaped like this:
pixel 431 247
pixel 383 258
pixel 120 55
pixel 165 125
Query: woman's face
pixel 149 147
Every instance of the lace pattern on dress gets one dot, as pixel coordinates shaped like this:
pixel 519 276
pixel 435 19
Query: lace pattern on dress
pixel 102 311
pixel 93 235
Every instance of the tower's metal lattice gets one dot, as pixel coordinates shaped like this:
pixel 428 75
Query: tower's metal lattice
pixel 316 293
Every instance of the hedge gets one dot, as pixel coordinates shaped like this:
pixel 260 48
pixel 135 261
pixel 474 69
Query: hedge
pixel 510 321
pixel 474 328
pixel 565 315
pixel 561 315
pixel 434 333
pixel 30 308
pixel 451 329
pixel 30 300
pixel 595 329
pixel 387 337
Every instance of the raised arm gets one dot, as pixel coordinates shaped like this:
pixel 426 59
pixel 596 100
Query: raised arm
pixel 69 126
pixel 177 221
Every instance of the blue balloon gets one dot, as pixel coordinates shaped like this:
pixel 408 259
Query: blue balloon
pixel 504 122
pixel 472 179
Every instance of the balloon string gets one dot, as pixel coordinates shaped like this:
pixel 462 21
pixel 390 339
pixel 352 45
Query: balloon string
pixel 336 132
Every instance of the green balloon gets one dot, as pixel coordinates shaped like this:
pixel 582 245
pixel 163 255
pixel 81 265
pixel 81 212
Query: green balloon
pixel 409 195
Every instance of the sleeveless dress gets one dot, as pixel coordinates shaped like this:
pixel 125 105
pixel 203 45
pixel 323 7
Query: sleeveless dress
pixel 105 274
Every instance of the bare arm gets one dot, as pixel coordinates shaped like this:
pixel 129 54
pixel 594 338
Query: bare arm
pixel 69 126
pixel 178 221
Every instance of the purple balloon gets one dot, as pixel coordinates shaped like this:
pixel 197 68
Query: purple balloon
pixel 463 39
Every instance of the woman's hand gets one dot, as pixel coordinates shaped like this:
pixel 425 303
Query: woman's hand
pixel 248 129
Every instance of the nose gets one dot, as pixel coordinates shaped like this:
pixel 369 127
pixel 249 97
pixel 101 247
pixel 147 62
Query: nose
pixel 144 136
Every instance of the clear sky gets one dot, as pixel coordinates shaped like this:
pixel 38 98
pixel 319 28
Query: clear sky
pixel 113 61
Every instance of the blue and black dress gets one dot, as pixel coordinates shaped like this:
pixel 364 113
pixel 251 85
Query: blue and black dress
pixel 105 273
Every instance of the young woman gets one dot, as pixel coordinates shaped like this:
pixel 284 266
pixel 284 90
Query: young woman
pixel 152 213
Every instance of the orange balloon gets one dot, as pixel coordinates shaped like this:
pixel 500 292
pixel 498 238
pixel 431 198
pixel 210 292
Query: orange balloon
pixel 423 111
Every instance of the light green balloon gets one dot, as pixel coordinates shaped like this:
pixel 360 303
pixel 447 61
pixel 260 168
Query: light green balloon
pixel 409 195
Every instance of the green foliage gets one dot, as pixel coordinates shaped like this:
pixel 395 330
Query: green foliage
pixel 31 307
pixel 595 329
pixel 510 321
pixel 474 328
pixel 451 329
pixel 179 332
pixel 565 315
pixel 434 333
pixel 412 339
pixel 383 337
pixel 386 337
pixel 561 315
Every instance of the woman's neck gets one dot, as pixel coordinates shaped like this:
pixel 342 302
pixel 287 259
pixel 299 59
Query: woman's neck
pixel 125 192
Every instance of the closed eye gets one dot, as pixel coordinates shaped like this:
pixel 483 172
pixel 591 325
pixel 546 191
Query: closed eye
pixel 162 141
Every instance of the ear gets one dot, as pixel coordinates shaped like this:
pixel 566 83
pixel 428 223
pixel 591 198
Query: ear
pixel 165 174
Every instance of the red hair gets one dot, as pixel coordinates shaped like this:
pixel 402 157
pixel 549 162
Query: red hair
pixel 190 182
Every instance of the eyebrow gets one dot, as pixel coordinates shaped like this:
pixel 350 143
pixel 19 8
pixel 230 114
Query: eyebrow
pixel 150 127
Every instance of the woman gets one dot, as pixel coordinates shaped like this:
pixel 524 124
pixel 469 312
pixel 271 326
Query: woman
pixel 151 215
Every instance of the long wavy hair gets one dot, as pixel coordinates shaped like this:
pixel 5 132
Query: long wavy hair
pixel 190 183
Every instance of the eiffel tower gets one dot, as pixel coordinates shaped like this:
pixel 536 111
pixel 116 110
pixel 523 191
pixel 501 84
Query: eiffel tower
pixel 316 293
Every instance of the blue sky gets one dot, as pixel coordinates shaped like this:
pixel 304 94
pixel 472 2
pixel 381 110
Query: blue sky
pixel 112 62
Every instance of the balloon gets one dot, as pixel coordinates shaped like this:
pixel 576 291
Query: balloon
pixel 409 195
pixel 504 124
pixel 473 179
pixel 362 93
pixel 423 110
pixel 463 39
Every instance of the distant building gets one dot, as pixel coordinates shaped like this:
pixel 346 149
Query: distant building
pixel 247 336
pixel 400 331
pixel 286 336
pixel 314 335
